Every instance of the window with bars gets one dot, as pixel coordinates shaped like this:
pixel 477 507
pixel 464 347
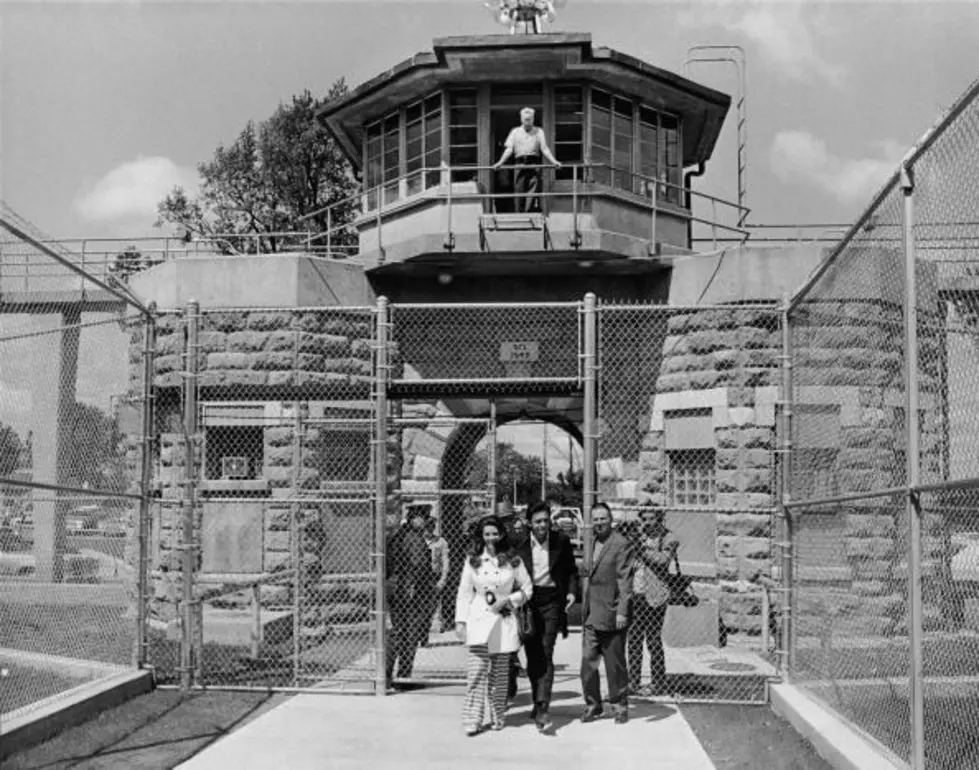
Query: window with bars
pixel 423 143
pixel 569 128
pixel 690 478
pixel 463 133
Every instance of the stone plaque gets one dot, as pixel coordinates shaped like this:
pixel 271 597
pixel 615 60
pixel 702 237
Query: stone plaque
pixel 519 352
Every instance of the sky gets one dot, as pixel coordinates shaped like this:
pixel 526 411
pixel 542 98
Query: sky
pixel 105 106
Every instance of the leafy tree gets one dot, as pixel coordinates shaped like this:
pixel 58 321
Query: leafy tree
pixel 127 262
pixel 10 450
pixel 96 457
pixel 566 490
pixel 272 175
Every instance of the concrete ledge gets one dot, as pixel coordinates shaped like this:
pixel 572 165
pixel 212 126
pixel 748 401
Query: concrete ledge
pixel 844 746
pixel 44 719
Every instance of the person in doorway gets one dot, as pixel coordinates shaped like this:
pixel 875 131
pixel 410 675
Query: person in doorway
pixel 605 619
pixel 657 548
pixel 412 583
pixel 493 583
pixel 528 148
pixel 439 548
pixel 550 559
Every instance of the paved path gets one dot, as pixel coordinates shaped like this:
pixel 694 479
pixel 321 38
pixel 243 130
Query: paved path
pixel 423 729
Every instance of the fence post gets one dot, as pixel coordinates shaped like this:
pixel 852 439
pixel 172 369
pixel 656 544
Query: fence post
pixel 188 552
pixel 491 459
pixel 786 645
pixel 380 493
pixel 913 502
pixel 145 478
pixel 589 436
pixel 295 539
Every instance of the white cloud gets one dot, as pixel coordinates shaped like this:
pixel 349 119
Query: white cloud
pixel 784 33
pixel 132 190
pixel 800 156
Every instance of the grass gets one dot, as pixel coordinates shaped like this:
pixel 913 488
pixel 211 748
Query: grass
pixel 159 730
pixel 83 631
pixel 23 685
pixel 750 738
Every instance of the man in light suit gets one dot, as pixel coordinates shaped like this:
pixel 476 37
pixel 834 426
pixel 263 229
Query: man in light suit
pixel 605 619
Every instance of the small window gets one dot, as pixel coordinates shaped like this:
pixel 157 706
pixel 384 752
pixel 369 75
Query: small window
pixel 234 452
pixel 691 477
pixel 423 144
pixel 568 128
pixel 463 125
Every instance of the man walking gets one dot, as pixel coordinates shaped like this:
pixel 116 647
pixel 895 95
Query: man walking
pixel 527 146
pixel 650 600
pixel 550 559
pixel 605 619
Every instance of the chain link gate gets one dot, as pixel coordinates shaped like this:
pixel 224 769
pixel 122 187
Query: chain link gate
pixel 686 426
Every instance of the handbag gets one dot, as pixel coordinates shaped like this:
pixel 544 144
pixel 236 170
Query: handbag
pixel 678 584
pixel 525 622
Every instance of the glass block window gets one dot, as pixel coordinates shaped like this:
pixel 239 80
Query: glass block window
pixel 691 477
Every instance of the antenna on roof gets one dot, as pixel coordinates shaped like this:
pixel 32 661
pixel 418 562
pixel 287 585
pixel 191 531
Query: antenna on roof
pixel 525 16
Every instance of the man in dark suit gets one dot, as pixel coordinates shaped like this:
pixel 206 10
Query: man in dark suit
pixel 549 558
pixel 605 619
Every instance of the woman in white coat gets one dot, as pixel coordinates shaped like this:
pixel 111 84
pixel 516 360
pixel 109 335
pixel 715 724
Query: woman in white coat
pixel 494 583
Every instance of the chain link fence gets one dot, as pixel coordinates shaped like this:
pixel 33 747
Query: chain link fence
pixel 686 427
pixel 882 472
pixel 72 409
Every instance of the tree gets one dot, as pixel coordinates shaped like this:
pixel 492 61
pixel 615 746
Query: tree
pixel 510 466
pixel 272 175
pixel 10 450
pixel 96 457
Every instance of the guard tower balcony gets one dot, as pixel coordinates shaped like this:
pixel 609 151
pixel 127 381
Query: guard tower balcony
pixel 425 136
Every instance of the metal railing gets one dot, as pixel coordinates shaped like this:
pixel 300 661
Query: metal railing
pixel 587 181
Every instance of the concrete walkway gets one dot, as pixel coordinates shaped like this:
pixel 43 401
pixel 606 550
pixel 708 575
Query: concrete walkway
pixel 423 729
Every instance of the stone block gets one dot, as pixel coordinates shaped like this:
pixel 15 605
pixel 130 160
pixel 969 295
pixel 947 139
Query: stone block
pixel 277 540
pixel 247 342
pixel 245 378
pixel 872 548
pixel 727 481
pixel 278 518
pixel 757 480
pixel 278 456
pixel 212 342
pixel 266 322
pixel 670 383
pixel 280 341
pixel 741 416
pixel 759 458
pixel 281 379
pixel 329 345
pixel 708 341
pixel 676 344
pixel 277 360
pixel 229 360
pixel 359 327
pixel 868 525
pixel 740 397
pixel 748 337
pixel 212 378
pixel 744 525
pixel 347 366
pixel 654 440
pixel 170 363
pixel 652 460
pixel 727 438
pixel 861 480
pixel 728 459
pixel 225 321
pixel 709 378
pixel 678 323
pixel 277 560
pixel 744 500
pixel 726 359
pixel 757 438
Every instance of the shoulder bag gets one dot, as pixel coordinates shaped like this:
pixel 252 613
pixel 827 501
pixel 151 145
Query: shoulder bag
pixel 678 584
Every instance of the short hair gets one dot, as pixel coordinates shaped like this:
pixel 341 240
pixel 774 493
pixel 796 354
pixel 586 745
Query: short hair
pixel 602 505
pixel 538 507
pixel 655 510
pixel 525 110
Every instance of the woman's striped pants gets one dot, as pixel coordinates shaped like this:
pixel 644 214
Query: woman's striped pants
pixel 486 686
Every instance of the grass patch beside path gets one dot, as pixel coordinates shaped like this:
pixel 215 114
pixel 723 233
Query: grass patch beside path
pixel 750 738
pixel 24 685
pixel 158 730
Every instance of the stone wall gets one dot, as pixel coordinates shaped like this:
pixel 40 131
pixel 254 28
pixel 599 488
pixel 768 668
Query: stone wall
pixel 269 361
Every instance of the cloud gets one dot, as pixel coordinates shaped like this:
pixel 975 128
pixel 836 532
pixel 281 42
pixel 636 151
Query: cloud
pixel 132 190
pixel 15 407
pixel 784 33
pixel 799 156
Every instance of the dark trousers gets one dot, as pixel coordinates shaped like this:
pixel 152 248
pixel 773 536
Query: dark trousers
pixel 610 646
pixel 647 626
pixel 546 606
pixel 409 624
pixel 527 183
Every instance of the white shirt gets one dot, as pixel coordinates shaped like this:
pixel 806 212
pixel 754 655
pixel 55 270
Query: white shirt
pixel 524 142
pixel 542 563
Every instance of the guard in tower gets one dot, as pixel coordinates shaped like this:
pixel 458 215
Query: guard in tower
pixel 528 147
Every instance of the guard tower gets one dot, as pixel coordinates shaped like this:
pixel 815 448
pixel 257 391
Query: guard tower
pixel 439 223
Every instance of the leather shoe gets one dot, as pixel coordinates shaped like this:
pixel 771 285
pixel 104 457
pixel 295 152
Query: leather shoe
pixel 591 713
pixel 621 717
pixel 543 720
